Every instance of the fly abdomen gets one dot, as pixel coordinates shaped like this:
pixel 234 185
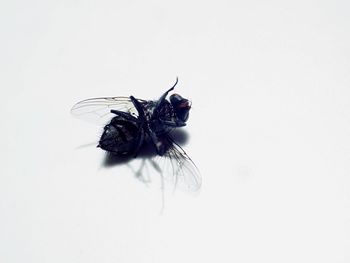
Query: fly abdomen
pixel 120 136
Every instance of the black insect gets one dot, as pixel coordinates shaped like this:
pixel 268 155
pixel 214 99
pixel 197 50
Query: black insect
pixel 134 122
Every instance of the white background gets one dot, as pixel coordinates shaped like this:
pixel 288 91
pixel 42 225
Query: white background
pixel 269 130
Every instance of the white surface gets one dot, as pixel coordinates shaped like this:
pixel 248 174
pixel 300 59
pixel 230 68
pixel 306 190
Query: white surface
pixel 269 130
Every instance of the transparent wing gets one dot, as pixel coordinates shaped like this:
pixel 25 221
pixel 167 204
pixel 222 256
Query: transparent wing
pixel 178 168
pixel 98 110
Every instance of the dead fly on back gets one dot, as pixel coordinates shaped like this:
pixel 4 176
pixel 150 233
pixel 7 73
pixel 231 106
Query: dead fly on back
pixel 134 122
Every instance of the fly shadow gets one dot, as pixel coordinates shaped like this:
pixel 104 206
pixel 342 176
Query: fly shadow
pixel 175 169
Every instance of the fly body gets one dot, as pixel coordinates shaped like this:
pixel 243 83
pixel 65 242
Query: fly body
pixel 133 122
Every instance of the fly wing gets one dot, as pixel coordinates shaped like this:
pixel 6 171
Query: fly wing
pixel 178 168
pixel 98 110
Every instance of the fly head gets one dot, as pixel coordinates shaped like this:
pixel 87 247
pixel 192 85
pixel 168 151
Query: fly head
pixel 181 106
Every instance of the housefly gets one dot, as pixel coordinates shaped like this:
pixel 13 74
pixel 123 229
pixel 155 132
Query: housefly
pixel 132 123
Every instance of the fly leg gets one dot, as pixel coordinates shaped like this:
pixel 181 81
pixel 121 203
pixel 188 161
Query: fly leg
pixel 162 98
pixel 140 141
pixel 139 108
pixel 141 119
pixel 159 144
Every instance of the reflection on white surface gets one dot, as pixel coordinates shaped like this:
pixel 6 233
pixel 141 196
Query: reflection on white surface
pixel 269 131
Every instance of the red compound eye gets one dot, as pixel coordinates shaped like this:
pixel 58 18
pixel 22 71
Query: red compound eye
pixel 185 104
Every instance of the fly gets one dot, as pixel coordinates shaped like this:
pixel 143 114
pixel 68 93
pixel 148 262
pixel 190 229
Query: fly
pixel 132 123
